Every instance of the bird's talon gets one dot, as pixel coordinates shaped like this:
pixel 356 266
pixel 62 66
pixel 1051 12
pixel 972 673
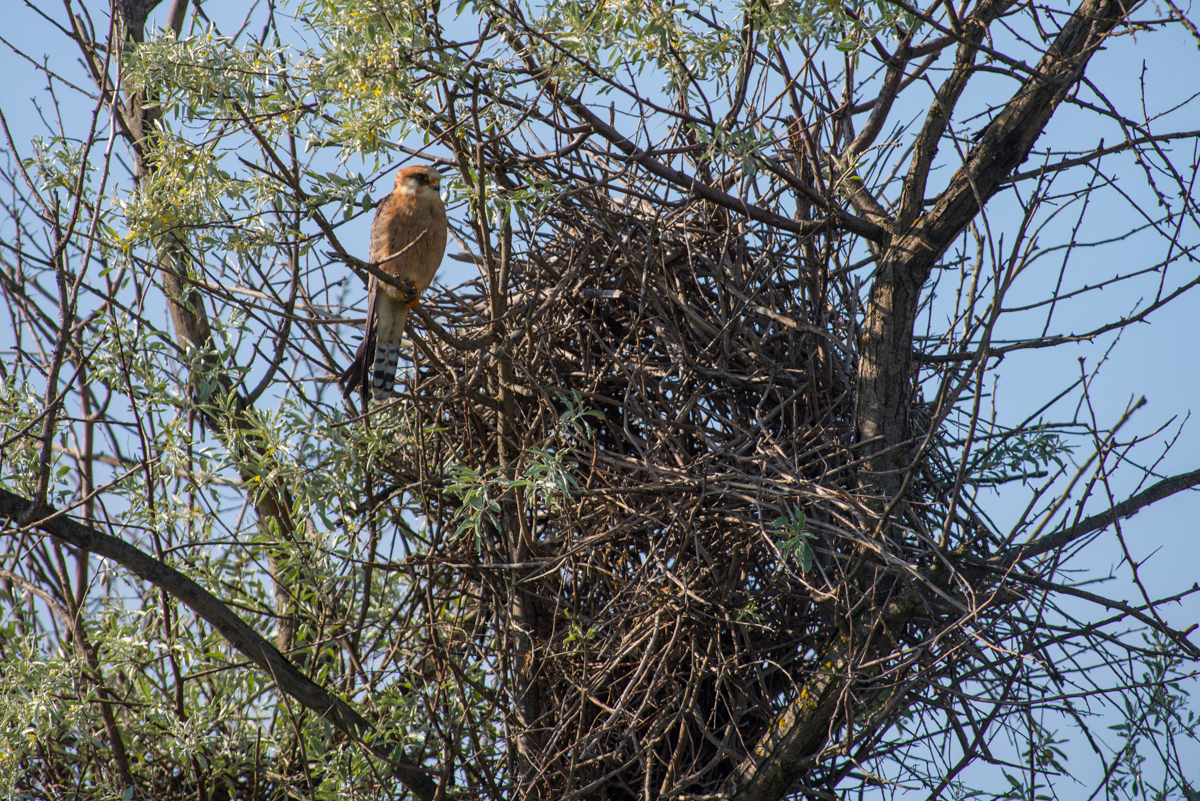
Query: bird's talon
pixel 412 218
pixel 412 293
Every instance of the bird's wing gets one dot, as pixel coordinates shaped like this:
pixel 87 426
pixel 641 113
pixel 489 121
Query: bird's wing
pixel 389 215
pixel 355 376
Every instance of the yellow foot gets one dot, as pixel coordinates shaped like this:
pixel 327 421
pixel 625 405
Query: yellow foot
pixel 412 293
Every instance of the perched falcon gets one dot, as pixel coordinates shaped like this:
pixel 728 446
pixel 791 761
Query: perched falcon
pixel 410 224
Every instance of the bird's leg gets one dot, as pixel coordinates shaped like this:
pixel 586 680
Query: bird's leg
pixel 412 293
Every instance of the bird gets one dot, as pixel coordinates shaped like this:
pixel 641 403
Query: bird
pixel 408 240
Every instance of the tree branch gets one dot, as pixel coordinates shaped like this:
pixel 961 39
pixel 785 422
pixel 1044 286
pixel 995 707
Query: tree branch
pixel 236 631
pixel 1127 508
pixel 1100 150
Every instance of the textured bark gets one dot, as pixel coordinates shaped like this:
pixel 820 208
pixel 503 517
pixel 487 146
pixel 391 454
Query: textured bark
pixel 885 358
pixel 886 365
pixel 778 759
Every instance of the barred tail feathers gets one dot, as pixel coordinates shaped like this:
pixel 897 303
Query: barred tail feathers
pixel 391 316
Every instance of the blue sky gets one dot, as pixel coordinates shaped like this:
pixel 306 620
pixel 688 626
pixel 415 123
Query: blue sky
pixel 1157 359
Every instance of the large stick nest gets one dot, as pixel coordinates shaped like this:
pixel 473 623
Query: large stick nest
pixel 664 621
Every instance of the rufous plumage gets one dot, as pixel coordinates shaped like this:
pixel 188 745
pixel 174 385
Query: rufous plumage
pixel 408 239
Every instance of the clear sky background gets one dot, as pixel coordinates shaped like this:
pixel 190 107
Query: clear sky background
pixel 1158 360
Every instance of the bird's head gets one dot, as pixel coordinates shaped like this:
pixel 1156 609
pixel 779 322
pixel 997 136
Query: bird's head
pixel 418 180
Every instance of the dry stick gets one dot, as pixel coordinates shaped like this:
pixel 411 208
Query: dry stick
pixel 770 771
pixel 1127 508
pixel 848 222
pixel 236 631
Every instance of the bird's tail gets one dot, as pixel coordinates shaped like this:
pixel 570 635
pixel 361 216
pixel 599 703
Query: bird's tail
pixel 354 376
pixel 387 352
